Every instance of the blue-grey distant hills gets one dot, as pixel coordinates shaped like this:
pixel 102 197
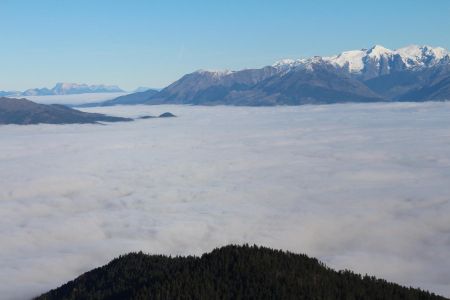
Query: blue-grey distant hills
pixel 62 88
pixel 142 89
pixel 413 73
pixel 130 99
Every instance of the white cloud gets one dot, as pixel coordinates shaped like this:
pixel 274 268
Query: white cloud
pixel 361 186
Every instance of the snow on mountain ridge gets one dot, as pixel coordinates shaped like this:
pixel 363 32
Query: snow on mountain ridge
pixel 377 59
pixel 364 63
pixel 304 63
pixel 214 73
pixel 377 51
pixel 353 60
pixel 417 51
pixel 415 55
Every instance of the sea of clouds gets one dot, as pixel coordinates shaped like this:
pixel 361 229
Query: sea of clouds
pixel 360 186
pixel 72 99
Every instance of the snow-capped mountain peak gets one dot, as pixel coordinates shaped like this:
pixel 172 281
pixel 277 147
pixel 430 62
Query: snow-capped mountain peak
pixel 419 51
pixel 377 51
pixel 353 60
pixel 286 65
pixel 376 61
pixel 419 56
pixel 214 73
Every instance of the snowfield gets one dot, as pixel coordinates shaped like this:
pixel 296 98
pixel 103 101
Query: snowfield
pixel 360 186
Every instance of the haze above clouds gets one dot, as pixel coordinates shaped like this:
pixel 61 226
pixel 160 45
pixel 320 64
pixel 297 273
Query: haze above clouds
pixel 360 186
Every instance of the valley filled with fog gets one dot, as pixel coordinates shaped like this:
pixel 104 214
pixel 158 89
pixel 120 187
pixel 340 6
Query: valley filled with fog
pixel 73 99
pixel 359 186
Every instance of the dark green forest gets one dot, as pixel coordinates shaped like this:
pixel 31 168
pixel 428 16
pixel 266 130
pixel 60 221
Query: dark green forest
pixel 231 272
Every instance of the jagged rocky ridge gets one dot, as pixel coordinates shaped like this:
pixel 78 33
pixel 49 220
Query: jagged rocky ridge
pixel 231 272
pixel 413 73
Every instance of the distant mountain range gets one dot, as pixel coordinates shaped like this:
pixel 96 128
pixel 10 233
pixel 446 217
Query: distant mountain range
pixel 25 112
pixel 231 272
pixel 65 89
pixel 413 73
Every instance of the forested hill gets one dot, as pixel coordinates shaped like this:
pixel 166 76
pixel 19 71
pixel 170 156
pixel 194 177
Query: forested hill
pixel 25 112
pixel 231 272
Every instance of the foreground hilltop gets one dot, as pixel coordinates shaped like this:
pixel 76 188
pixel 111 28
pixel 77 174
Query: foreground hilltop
pixel 24 112
pixel 231 272
pixel 413 73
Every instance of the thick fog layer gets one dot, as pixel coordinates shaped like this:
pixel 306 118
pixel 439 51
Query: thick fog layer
pixel 360 186
pixel 73 99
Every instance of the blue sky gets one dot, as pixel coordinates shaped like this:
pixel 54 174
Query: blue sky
pixel 152 43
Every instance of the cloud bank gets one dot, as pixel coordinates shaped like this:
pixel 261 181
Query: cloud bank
pixel 73 99
pixel 361 186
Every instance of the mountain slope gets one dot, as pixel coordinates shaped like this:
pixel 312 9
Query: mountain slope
pixel 436 85
pixel 317 82
pixel 24 112
pixel 426 84
pixel 436 91
pixel 209 87
pixel 130 99
pixel 231 272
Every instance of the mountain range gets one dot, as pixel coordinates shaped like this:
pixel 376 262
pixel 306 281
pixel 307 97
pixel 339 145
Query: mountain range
pixel 63 88
pixel 413 73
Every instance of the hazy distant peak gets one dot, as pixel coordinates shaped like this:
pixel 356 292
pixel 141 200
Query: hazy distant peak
pixel 66 88
pixel 141 89
pixel 63 88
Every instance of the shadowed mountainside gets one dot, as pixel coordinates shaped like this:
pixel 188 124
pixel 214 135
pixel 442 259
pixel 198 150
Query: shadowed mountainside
pixel 24 112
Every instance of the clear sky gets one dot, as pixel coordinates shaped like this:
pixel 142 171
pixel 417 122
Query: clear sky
pixel 152 43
